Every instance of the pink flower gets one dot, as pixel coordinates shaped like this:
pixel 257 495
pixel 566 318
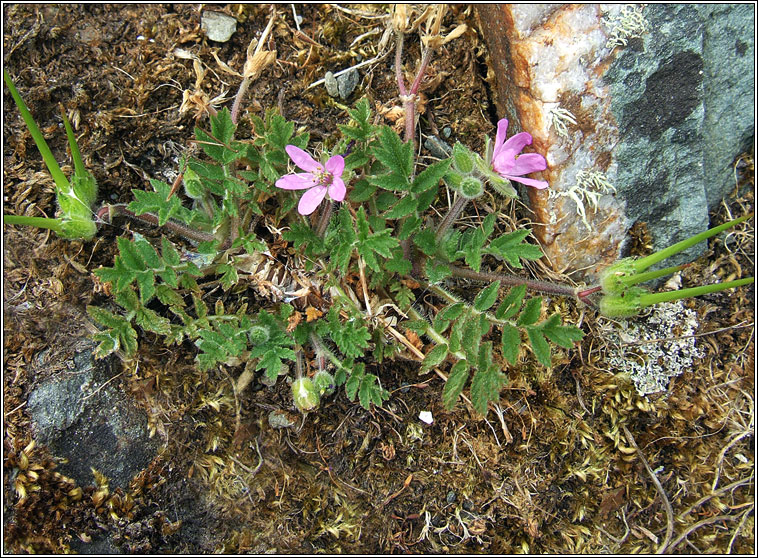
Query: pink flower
pixel 318 180
pixel 507 162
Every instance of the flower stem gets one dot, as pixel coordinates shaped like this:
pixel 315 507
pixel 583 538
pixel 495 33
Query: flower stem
pixel 39 222
pixel 655 298
pixel 178 228
pixel 451 216
pixel 643 263
pixel 323 221
pixel 513 280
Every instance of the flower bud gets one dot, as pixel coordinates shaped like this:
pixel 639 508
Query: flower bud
pixel 258 334
pixel 77 228
pixel 324 382
pixel 192 185
pixel 463 159
pixel 471 187
pixel 305 394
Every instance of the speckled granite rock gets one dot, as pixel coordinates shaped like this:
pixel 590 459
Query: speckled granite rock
pixel 640 113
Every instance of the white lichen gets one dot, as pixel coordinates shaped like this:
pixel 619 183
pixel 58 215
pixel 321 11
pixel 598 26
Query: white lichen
pixel 559 116
pixel 590 185
pixel 655 348
pixel 629 23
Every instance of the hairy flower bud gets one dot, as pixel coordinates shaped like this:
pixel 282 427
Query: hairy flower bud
pixel 463 159
pixel 624 305
pixel 324 382
pixel 258 334
pixel 471 187
pixel 611 278
pixel 305 394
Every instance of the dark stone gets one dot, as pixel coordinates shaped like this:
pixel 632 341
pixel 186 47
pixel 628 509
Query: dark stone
pixel 671 94
pixel 88 420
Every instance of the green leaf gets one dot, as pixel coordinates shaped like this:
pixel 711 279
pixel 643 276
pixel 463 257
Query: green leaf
pixel 352 337
pixel 487 297
pixel 370 392
pixel 434 358
pixel 393 153
pixel 431 176
pixel 150 320
pixel 539 345
pixel 155 202
pixel 119 333
pixel 563 336
pixel 511 248
pixel 511 342
pixel 459 373
pixel 405 206
pixel 426 242
pixel 451 312
pixel 437 271
pixel 222 126
pixel 531 312
pixel 511 303
pixel 362 191
pixel 487 382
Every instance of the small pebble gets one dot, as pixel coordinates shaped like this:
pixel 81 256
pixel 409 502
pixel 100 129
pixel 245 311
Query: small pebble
pixel 451 497
pixel 437 147
pixel 280 419
pixel 446 131
pixel 217 26
pixel 330 82
pixel 347 83
pixel 468 505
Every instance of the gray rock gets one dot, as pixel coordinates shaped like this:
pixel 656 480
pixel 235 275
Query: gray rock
pixel 640 112
pixel 88 420
pixel 217 26
pixel 683 98
pixel 347 82
pixel 438 147
pixel 330 82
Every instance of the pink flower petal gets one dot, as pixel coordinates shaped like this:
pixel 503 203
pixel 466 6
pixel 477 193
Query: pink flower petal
pixel 528 162
pixel 297 181
pixel 515 145
pixel 335 165
pixel 502 126
pixel 302 159
pixel 539 184
pixel 337 189
pixel 311 199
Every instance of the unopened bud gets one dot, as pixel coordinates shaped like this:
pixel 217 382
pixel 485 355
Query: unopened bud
pixel 258 334
pixel 463 159
pixel 305 394
pixel 471 187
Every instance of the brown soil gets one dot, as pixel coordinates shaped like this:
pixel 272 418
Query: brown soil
pixel 556 473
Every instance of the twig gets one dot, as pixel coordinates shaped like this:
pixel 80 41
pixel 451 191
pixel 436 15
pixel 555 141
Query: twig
pixel 666 503
pixel 738 529
pixel 377 58
pixel 687 532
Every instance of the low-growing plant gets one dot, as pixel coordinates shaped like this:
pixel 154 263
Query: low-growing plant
pixel 357 217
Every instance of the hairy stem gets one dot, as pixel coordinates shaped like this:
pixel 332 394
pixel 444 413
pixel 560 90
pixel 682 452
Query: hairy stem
pixel 450 218
pixel 323 222
pixel 110 211
pixel 532 284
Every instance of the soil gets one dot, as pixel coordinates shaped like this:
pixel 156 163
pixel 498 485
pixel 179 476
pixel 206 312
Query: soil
pixel 556 472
